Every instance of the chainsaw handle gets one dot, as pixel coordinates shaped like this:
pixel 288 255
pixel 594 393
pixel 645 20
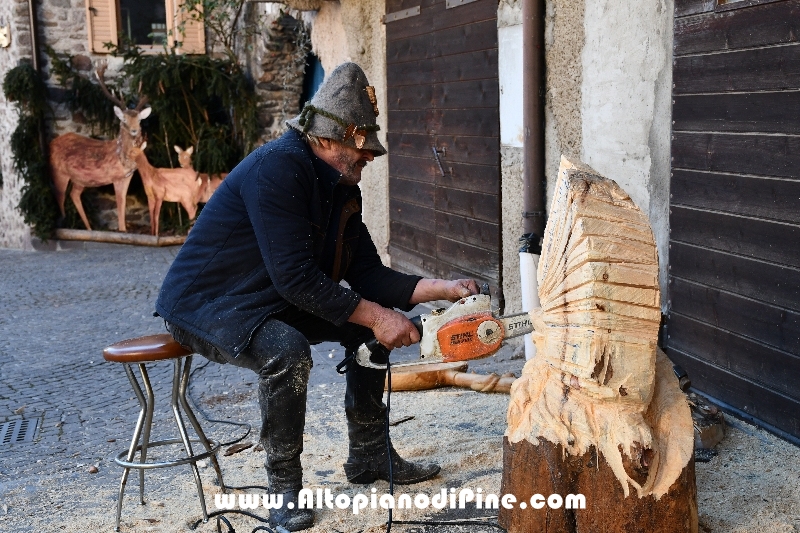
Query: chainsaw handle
pixel 364 352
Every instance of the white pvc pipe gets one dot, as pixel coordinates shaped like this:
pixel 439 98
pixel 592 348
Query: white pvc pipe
pixel 528 265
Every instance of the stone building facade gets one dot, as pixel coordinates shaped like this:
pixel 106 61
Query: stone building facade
pixel 607 98
pixel 13 231
pixel 270 54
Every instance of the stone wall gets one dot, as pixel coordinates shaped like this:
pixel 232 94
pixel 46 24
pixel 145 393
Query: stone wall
pixel 269 53
pixel 13 231
pixel 275 58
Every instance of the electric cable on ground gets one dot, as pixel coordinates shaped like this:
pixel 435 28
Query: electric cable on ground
pixel 219 515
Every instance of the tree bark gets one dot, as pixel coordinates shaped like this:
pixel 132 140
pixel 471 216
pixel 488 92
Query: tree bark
pixel 547 469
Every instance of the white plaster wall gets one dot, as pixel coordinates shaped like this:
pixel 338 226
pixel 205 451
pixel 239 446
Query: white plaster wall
pixel 351 30
pixel 625 104
pixel 14 233
pixel 509 41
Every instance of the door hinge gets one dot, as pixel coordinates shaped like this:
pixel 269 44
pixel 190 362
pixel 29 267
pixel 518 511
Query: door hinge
pixel 400 15
pixel 450 4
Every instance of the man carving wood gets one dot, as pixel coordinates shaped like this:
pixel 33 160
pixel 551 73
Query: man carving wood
pixel 258 280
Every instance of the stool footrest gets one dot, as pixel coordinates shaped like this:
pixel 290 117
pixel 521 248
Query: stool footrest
pixel 121 460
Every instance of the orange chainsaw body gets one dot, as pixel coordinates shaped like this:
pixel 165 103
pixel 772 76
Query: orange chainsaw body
pixel 470 337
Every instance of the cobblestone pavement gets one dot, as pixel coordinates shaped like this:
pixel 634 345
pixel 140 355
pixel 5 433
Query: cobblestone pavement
pixel 58 310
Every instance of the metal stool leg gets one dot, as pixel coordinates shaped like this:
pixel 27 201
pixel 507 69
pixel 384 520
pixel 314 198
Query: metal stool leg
pixel 148 423
pixel 193 420
pixel 136 434
pixel 185 437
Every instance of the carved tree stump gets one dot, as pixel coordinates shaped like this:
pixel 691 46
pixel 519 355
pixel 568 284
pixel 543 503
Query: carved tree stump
pixel 598 411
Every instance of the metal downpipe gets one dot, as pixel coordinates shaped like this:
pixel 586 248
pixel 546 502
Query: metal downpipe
pixel 533 178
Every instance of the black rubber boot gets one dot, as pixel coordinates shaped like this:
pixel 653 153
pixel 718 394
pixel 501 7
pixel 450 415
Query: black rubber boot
pixel 368 459
pixel 289 516
pixel 282 388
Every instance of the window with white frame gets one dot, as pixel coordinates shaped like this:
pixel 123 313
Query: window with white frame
pixel 150 24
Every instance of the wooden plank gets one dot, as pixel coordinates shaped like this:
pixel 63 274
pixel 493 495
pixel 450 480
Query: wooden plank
pixel 400 5
pixel 480 122
pixel 763 25
pixel 421 194
pixel 414 168
pixel 775 199
pixel 760 239
pixel 475 178
pixel 765 112
pixel 476 232
pixel 766 69
pixel 450 95
pixel 763 155
pixel 434 17
pixel 766 282
pixel 761 364
pixel 468 149
pixel 413 239
pixel 484 207
pixel 471 94
pixel 479 65
pixel 470 259
pixel 693 7
pixel 758 401
pixel 450 41
pixel 411 145
pixel 415 73
pixel 417 216
pixel 405 97
pixel 413 262
pixel 415 121
pixel 464 149
pixel 774 326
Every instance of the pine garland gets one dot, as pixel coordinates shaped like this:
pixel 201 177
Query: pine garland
pixel 23 86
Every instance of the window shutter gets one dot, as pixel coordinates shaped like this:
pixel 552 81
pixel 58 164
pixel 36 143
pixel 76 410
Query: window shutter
pixel 193 38
pixel 101 18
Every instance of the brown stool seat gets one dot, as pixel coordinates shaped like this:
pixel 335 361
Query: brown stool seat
pixel 145 349
pixel 140 352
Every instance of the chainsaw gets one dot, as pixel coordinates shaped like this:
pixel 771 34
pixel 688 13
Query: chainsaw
pixel 467 330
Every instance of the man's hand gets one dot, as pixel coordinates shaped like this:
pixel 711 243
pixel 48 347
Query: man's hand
pixel 430 290
pixel 391 328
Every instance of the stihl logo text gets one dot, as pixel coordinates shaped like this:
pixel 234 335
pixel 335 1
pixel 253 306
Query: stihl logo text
pixel 518 325
pixel 460 338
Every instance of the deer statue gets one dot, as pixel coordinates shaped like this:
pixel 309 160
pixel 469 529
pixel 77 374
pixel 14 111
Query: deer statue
pixel 181 185
pixel 210 181
pixel 90 162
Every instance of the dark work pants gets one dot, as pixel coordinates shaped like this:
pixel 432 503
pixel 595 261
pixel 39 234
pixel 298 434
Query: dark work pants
pixel 279 352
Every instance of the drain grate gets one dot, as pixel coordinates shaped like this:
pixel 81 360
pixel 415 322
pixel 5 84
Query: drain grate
pixel 17 431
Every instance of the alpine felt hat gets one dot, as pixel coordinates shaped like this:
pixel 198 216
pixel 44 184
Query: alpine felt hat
pixel 343 109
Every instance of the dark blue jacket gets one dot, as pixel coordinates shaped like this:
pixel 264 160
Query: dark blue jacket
pixel 279 231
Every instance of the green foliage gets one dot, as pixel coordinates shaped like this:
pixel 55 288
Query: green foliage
pixel 83 96
pixel 197 101
pixel 23 86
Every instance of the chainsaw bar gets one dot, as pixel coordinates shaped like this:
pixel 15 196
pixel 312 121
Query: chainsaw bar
pixel 466 330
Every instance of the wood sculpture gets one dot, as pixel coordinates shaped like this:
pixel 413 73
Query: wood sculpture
pixel 87 162
pixel 181 185
pixel 598 411
pixel 210 182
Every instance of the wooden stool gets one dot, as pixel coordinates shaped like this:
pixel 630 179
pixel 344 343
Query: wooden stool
pixel 151 349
